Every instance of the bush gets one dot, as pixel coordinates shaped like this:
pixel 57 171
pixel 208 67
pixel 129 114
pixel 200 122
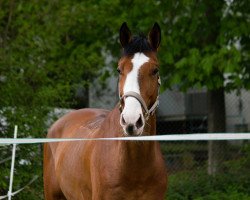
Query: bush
pixel 232 184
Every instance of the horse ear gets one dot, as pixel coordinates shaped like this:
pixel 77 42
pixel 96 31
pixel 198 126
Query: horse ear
pixel 125 35
pixel 154 36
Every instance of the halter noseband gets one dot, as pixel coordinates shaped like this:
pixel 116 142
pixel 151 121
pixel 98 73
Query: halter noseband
pixel 148 112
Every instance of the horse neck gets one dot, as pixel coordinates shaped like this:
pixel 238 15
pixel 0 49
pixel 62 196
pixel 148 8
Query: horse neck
pixel 133 151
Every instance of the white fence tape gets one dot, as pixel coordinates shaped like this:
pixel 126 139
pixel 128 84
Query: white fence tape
pixel 12 165
pixel 179 137
pixel 3 197
pixel 10 193
pixel 5 160
pixel 14 193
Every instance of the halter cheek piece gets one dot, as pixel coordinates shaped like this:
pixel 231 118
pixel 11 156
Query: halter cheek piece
pixel 149 111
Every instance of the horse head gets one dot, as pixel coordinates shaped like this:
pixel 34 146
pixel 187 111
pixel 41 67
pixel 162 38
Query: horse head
pixel 139 79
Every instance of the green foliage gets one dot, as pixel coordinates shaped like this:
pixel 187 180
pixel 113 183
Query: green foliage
pixel 50 49
pixel 199 186
pixel 233 184
pixel 207 40
pixel 182 147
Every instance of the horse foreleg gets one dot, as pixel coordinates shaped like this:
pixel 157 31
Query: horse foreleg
pixel 52 190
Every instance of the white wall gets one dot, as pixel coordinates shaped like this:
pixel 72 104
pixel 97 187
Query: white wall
pixel 233 115
pixel 104 98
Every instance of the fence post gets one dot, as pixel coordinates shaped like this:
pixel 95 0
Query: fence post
pixel 12 165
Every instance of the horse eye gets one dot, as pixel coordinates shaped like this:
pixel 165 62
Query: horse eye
pixel 155 71
pixel 119 71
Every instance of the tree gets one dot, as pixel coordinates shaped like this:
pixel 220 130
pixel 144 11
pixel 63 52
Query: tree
pixel 208 40
pixel 51 49
pixel 48 51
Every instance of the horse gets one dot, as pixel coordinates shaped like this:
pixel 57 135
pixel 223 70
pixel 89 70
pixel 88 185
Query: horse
pixel 112 170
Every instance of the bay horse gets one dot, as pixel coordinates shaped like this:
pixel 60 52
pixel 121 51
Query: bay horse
pixel 112 170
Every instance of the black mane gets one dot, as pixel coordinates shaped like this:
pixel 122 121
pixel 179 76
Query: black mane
pixel 138 44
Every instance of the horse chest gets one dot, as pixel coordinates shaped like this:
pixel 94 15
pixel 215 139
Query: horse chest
pixel 120 175
pixel 135 190
pixel 118 185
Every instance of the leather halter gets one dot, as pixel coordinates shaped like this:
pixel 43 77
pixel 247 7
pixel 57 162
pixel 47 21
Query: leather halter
pixel 149 111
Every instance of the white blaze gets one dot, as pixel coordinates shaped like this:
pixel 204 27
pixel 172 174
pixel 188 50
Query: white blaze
pixel 132 109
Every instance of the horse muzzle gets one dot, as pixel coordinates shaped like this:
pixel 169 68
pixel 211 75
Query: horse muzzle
pixel 132 119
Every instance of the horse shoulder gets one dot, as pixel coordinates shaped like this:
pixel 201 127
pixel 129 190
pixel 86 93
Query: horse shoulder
pixel 73 120
pixel 75 124
pixel 74 155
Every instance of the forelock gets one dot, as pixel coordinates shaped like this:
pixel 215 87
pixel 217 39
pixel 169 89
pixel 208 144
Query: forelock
pixel 139 44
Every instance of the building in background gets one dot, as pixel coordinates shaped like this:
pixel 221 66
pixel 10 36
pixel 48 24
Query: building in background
pixel 180 112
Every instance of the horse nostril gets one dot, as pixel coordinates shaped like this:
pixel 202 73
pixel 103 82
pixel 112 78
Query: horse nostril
pixel 130 129
pixel 139 122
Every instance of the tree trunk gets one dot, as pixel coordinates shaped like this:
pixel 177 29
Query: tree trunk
pixel 216 124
